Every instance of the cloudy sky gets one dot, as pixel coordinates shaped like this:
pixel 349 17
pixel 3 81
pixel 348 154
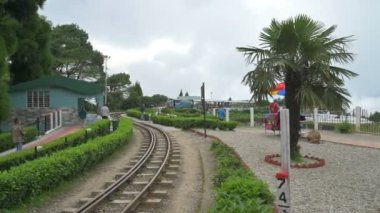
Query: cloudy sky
pixel 171 45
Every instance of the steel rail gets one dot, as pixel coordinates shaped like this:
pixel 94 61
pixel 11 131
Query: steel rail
pixel 106 192
pixel 133 204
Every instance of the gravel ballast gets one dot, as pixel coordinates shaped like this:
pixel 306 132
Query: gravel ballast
pixel 349 182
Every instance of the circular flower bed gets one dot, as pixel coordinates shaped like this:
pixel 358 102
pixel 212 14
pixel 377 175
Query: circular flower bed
pixel 310 161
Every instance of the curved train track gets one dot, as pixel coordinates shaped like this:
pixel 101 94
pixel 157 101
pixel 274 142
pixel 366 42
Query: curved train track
pixel 143 182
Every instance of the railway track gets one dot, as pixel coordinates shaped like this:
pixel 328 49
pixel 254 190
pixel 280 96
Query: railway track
pixel 144 181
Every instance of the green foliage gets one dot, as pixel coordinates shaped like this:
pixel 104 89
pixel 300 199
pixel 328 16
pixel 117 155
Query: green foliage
pixel 344 127
pixel 74 56
pixel 236 188
pixel 155 100
pixel 134 99
pixel 302 53
pixel 137 114
pixel 375 117
pixel 193 122
pixel 8 44
pixel 34 177
pixel 6 139
pixel 98 128
pixel 118 82
pixel 33 40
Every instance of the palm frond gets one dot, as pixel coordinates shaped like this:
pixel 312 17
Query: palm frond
pixel 253 54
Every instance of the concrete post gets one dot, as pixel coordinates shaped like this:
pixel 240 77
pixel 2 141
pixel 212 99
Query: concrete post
pixel 252 113
pixel 60 118
pixel 214 111
pixel 358 114
pixel 227 114
pixel 316 119
pixel 51 121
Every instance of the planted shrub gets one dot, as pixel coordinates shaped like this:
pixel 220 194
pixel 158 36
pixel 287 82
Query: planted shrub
pixel 193 122
pixel 344 127
pixel 6 138
pixel 98 128
pixel 34 177
pixel 236 188
pixel 137 114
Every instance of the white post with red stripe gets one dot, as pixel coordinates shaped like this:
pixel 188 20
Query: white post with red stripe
pixel 283 187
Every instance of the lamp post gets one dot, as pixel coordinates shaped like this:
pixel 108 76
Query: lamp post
pixel 106 57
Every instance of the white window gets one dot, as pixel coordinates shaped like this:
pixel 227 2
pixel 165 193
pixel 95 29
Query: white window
pixel 38 98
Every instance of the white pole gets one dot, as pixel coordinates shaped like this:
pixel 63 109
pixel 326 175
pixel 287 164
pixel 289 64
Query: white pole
pixel 60 118
pixel 316 119
pixel 106 57
pixel 227 114
pixel 283 189
pixel 252 113
pixel 358 113
pixel 214 111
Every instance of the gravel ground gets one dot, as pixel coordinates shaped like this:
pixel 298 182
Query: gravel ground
pixel 349 182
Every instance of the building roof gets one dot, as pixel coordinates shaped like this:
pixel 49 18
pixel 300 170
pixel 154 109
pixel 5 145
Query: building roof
pixel 56 81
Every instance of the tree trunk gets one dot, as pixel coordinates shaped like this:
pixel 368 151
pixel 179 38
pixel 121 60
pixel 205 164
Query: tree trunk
pixel 294 105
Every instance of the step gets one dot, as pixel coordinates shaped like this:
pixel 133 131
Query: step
pixel 145 174
pixel 166 182
pixel 152 202
pixel 159 193
pixel 130 193
pixel 140 182
pixel 175 156
pixel 85 199
pixel 152 167
pixel 171 166
pixel 70 210
pixel 121 201
pixel 175 161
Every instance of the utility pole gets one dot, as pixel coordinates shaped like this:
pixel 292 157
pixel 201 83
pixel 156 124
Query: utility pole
pixel 106 57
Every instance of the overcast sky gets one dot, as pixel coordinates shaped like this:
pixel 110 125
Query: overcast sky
pixel 169 45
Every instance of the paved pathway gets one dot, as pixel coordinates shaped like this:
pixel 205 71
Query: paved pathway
pixel 47 138
pixel 355 139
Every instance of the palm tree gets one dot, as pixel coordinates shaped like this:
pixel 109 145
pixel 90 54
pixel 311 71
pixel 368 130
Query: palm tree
pixel 302 53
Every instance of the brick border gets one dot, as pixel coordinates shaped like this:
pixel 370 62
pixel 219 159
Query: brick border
pixel 319 162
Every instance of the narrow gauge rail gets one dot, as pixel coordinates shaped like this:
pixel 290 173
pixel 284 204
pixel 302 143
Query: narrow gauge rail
pixel 101 201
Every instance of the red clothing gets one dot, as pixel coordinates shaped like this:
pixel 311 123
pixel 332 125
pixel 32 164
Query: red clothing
pixel 273 107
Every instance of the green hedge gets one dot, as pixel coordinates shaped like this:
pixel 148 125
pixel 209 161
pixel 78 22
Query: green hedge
pixel 34 177
pixel 136 114
pixel 236 188
pixel 6 138
pixel 193 122
pixel 98 128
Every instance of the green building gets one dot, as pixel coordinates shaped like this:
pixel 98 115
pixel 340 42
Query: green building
pixel 52 100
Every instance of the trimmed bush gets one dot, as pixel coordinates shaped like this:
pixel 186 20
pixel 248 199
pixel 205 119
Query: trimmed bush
pixel 98 128
pixel 32 178
pixel 193 122
pixel 236 188
pixel 344 127
pixel 6 138
pixel 137 114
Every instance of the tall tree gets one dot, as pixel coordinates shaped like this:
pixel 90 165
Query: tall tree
pixel 74 56
pixel 118 84
pixel 301 52
pixel 186 94
pixel 135 96
pixel 159 100
pixel 32 58
pixel 8 45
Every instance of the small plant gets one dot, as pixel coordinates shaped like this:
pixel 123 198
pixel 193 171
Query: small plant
pixel 236 188
pixel 344 127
